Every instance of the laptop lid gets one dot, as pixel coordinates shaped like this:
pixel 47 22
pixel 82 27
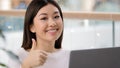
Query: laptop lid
pixel 95 58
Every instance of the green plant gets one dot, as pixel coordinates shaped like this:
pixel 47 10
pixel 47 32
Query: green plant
pixel 11 55
pixel 3 65
pixel 1 34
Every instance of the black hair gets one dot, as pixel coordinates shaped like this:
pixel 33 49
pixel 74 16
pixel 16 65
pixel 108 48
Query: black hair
pixel 31 12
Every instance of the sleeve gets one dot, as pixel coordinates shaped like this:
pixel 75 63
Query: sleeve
pixel 22 54
pixel 15 62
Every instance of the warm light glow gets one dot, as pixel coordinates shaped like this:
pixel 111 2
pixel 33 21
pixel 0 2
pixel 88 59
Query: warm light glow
pixel 5 4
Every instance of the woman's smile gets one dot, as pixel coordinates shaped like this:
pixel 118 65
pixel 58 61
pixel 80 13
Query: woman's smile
pixel 52 31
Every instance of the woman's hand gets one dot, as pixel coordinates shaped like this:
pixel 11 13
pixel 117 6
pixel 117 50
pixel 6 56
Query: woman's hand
pixel 35 57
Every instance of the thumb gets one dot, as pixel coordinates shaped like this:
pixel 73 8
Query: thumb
pixel 33 44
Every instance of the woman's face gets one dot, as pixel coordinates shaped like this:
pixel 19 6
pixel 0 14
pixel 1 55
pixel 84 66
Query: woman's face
pixel 47 24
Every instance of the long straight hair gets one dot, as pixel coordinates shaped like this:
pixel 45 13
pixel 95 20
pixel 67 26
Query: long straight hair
pixel 31 12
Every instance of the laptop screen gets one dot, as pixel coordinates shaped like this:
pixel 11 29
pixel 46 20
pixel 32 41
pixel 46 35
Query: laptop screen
pixel 95 58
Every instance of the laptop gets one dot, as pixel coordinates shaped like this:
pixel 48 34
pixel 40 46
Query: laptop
pixel 95 58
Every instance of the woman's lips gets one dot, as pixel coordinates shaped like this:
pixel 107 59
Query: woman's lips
pixel 52 30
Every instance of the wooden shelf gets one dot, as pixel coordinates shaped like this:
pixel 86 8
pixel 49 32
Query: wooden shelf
pixel 71 15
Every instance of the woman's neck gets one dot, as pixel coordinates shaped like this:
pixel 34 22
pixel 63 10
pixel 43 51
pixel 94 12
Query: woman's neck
pixel 46 46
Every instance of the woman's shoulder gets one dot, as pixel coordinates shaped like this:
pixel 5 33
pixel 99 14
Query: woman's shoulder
pixel 22 53
pixel 63 52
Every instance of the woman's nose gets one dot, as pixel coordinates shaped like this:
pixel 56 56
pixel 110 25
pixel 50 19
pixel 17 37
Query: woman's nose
pixel 52 23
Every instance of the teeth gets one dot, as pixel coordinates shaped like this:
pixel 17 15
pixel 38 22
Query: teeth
pixel 53 30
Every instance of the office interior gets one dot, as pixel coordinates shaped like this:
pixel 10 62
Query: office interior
pixel 88 24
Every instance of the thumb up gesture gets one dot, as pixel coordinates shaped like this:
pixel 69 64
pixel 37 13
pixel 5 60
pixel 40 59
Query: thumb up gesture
pixel 35 57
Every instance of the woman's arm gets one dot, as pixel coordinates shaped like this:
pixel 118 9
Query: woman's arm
pixel 35 57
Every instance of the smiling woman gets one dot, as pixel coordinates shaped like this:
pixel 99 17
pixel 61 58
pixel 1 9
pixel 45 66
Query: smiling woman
pixel 42 36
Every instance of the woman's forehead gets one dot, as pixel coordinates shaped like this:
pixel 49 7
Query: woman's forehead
pixel 48 8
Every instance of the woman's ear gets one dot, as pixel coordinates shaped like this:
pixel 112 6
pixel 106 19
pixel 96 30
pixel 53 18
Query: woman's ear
pixel 32 28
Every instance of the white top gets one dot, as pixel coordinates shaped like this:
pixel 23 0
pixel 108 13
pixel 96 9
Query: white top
pixel 58 59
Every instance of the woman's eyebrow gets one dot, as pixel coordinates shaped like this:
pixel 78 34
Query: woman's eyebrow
pixel 56 12
pixel 43 14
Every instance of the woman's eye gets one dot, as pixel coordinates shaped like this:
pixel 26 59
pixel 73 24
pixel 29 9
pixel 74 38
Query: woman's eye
pixel 44 18
pixel 56 17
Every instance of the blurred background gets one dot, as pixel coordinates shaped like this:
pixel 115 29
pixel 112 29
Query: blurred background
pixel 79 32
